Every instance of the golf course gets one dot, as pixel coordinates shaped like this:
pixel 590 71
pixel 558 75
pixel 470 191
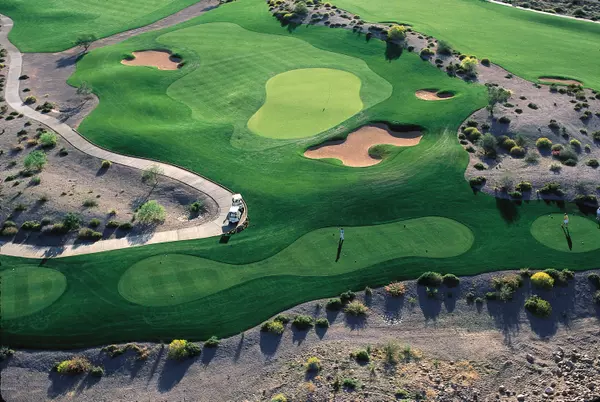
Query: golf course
pixel 249 98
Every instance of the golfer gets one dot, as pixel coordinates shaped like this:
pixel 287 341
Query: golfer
pixel 565 221
pixel 341 234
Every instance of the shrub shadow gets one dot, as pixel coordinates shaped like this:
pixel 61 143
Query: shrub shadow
pixel 393 51
pixel 172 373
pixel 508 210
pixel 355 323
pixel 321 331
pixel 207 355
pixel 61 384
pixel 451 295
pixel 393 308
pixel 269 343
pixel 431 307
pixel 507 314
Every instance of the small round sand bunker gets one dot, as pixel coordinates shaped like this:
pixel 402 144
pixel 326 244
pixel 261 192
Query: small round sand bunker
pixel 561 81
pixel 161 59
pixel 354 150
pixel 433 94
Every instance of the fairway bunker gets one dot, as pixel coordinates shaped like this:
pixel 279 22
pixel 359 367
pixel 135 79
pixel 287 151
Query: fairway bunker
pixel 433 94
pixel 161 59
pixel 354 150
pixel 561 81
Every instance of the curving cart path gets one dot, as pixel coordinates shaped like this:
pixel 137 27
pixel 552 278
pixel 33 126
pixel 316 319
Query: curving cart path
pixel 220 194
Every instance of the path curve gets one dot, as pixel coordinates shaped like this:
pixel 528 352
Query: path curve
pixel 542 12
pixel 220 194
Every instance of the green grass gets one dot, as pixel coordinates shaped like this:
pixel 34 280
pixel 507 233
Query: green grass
pixel 54 25
pixel 27 290
pixel 554 47
pixel 174 279
pixel 305 102
pixel 160 114
pixel 584 232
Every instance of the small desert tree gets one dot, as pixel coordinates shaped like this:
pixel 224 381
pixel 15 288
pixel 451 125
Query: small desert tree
pixel 497 95
pixel 444 48
pixel 36 160
pixel 301 8
pixel 151 212
pixel 151 174
pixel 469 65
pixel 488 143
pixel 85 41
pixel 397 32
pixel 84 90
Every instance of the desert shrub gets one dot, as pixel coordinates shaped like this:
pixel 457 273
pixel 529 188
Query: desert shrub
pixel 567 155
pixel 504 120
pixel 592 163
pixel 477 181
pixel 313 364
pixel 5 353
pixel 538 306
pixel 391 351
pixel 517 152
pixel 30 100
pixel 532 106
pixel 126 226
pixel 334 304
pixel 9 231
pixel 90 203
pixel 31 225
pixel 350 383
pixel 63 152
pixel 451 280
pixel 594 279
pixel 274 327
pixel 71 221
pixel 356 308
pixel 430 279
pixel 36 160
pixel 485 62
pixel 444 48
pixel 542 280
pixel 283 318
pixel 555 167
pixel 76 365
pixel 303 322
pixel 557 148
pixel 347 296
pixel 505 286
pixel 488 143
pixel 561 278
pixel 196 206
pixel 58 229
pixel 469 65
pixel 112 224
pixel 48 140
pixel 525 272
pixel 178 349
pixel 20 207
pixel 575 144
pixel 301 8
pixel 212 342
pixel 362 355
pixel 279 398
pixel 89 234
pixel 35 181
pixel 368 291
pixel 151 212
pixel 479 166
pixel 553 125
pixel 470 149
pixel 523 186
pixel 426 52
pixel 515 194
pixel 97 371
pixel 397 32
pixel 552 188
pixel 472 133
pixel 518 111
pixel 9 224
pixel 596 135
pixel 106 164
pixel 396 289
pixel 322 323
pixel 94 223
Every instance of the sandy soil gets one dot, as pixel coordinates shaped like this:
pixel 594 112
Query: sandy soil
pixel 153 58
pixel 560 81
pixel 432 95
pixel 354 150
pixel 68 181
pixel 450 350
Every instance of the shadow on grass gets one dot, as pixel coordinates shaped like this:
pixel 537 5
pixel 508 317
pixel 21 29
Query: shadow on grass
pixel 508 210
pixel 393 51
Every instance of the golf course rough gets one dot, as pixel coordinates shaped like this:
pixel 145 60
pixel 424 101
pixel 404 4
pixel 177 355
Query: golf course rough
pixel 175 278
pixel 277 87
pixel 584 233
pixel 27 290
pixel 302 103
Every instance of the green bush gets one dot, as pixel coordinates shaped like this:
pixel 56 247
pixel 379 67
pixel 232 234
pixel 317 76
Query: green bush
pixel 279 398
pixel 212 342
pixel 36 160
pixel 89 234
pixel 504 120
pixel 35 181
pixel 151 212
pixel 322 323
pixel 594 278
pixel 31 225
pixel 283 318
pixel 560 278
pixel 542 280
pixel 125 226
pixel 313 364
pixel 507 143
pixel 473 134
pixel 517 152
pixel 94 223
pixel 76 365
pixel 362 355
pixel 6 353
pixel 303 322
pixel 112 224
pixel 575 144
pixel 426 53
pixel 196 206
pixel 71 221
pixel 430 279
pixel 274 327
pixel 347 296
pixel 192 349
pixel 334 304
pixel 397 32
pixel 106 164
pixel 9 232
pixel 356 308
pixel 592 163
pixel 479 166
pixel 48 140
pixel 538 307
pixel 350 383
pixel 90 203
pixel 97 371
pixel 451 280
pixel 523 186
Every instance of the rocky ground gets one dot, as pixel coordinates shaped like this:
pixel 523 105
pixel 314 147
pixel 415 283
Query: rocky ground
pixel 443 348
pixel 584 9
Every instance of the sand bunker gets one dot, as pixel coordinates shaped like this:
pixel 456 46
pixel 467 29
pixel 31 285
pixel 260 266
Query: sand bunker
pixel 154 58
pixel 560 81
pixel 433 95
pixel 354 150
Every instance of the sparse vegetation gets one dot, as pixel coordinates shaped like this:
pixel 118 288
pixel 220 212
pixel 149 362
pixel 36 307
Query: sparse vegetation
pixel 542 280
pixel 313 364
pixel 538 306
pixel 303 322
pixel 395 289
pixel 151 212
pixel 432 279
pixel 74 366
pixel 356 308
pixel 180 349
pixel 274 327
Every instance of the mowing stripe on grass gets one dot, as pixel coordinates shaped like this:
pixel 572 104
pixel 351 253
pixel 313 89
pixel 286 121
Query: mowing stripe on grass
pixel 186 278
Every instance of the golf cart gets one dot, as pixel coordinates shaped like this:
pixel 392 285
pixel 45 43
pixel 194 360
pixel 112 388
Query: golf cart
pixel 237 209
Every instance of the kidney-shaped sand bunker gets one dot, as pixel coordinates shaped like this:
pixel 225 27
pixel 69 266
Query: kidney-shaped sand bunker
pixel 433 94
pixel 354 150
pixel 161 59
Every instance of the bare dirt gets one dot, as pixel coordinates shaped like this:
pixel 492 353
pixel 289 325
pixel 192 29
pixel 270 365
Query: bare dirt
pixel 72 179
pixel 560 81
pixel 160 59
pixel 433 95
pixel 446 349
pixel 354 150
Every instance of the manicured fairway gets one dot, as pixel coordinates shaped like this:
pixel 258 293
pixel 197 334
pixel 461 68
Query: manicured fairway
pixel 174 279
pixel 302 103
pixel 53 25
pixel 27 290
pixel 584 233
pixel 527 44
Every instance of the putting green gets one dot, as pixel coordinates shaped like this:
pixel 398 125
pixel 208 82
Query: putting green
pixel 584 233
pixel 175 278
pixel 27 290
pixel 302 103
